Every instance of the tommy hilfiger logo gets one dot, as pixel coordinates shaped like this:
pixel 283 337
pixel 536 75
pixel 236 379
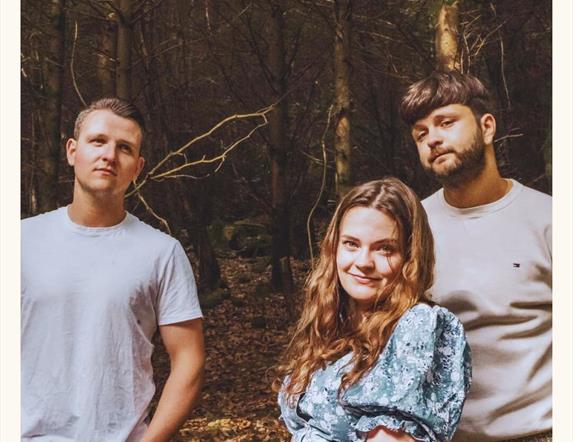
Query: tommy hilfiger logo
pixel 516 265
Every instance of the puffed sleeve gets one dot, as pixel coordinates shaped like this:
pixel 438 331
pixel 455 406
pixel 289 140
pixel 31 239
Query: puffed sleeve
pixel 420 381
pixel 300 428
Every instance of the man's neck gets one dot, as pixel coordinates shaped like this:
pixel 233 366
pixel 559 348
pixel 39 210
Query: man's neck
pixel 93 212
pixel 485 188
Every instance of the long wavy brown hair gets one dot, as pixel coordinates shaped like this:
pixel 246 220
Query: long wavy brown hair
pixel 327 329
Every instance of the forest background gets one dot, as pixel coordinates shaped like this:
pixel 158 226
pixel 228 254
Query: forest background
pixel 260 114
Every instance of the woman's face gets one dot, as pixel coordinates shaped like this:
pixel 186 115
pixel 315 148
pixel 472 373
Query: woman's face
pixel 368 254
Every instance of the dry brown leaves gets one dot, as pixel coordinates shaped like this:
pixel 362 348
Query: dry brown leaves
pixel 237 401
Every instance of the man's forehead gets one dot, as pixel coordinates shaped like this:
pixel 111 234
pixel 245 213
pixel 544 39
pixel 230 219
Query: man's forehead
pixel 106 120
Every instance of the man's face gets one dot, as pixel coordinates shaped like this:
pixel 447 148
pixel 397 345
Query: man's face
pixel 106 154
pixel 451 144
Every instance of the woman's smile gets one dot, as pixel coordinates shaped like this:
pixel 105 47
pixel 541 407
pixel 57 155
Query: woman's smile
pixel 368 255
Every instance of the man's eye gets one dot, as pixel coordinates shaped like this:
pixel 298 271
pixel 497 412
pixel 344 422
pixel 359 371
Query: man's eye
pixel 97 141
pixel 447 123
pixel 125 147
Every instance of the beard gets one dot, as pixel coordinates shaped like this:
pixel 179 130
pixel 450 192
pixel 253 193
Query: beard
pixel 466 165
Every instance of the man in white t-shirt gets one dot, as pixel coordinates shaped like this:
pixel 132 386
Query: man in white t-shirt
pixel 493 259
pixel 96 285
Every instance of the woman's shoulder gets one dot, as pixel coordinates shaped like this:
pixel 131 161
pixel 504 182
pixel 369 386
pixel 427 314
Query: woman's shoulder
pixel 425 317
pixel 424 330
pixel 424 310
pixel 421 378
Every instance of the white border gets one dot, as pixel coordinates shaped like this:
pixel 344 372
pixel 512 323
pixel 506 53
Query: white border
pixel 10 214
pixel 9 220
pixel 562 220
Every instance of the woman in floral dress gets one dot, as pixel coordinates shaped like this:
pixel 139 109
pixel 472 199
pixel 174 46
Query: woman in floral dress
pixel 372 358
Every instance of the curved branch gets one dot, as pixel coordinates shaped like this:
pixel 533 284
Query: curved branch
pixel 322 185
pixel 153 174
pixel 77 89
pixel 163 221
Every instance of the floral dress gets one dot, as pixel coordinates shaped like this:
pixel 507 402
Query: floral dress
pixel 418 386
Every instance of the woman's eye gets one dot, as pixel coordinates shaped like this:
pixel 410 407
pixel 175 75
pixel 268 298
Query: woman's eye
pixel 385 249
pixel 420 136
pixel 350 244
pixel 447 123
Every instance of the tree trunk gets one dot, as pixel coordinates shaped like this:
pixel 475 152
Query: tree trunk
pixel 123 55
pixel 342 145
pixel 278 123
pixel 50 105
pixel 209 272
pixel 447 26
pixel 105 57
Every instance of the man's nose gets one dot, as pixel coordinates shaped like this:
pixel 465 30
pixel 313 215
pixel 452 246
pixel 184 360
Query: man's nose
pixel 109 152
pixel 434 138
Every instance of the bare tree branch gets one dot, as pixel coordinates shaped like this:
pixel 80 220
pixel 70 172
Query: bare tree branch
pixel 322 184
pixel 505 137
pixel 73 74
pixel 154 173
pixel 502 61
pixel 163 221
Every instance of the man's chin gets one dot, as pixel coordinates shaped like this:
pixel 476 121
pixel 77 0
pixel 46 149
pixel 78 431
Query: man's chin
pixel 103 191
pixel 443 172
pixel 454 177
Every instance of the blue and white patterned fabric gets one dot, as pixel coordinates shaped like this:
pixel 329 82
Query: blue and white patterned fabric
pixel 417 386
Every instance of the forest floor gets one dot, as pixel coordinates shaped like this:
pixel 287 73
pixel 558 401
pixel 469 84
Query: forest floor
pixel 244 337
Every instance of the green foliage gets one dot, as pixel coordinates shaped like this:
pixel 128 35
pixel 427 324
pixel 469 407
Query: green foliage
pixel 243 278
pixel 213 298
pixel 216 236
pixel 259 322
pixel 261 265
pixel 263 290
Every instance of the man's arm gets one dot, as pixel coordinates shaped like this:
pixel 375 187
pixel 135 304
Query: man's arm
pixel 184 344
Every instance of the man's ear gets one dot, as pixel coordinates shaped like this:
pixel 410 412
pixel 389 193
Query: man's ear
pixel 488 126
pixel 71 145
pixel 140 164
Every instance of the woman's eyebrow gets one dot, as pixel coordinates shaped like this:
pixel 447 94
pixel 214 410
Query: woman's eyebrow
pixel 386 240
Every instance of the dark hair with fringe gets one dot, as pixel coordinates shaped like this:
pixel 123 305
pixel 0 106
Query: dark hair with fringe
pixel 442 89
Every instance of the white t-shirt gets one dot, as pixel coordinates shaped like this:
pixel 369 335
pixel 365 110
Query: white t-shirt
pixel 493 270
pixel 92 299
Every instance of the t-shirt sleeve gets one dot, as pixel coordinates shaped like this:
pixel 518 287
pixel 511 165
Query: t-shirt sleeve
pixel 420 381
pixel 177 299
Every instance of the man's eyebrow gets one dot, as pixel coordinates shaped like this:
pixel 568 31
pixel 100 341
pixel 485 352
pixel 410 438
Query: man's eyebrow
pixel 130 143
pixel 446 114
